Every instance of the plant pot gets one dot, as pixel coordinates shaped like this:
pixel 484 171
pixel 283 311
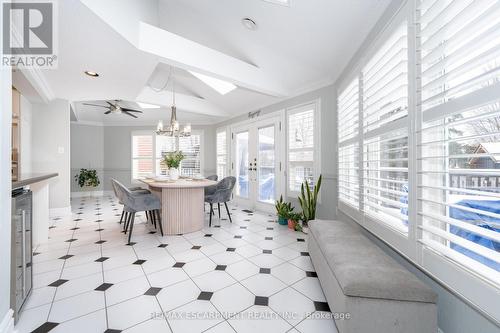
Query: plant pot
pixel 174 173
pixel 282 220
pixel 291 224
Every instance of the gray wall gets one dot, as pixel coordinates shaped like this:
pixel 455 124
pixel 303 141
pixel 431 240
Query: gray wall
pixel 108 149
pixel 454 315
pixel 5 182
pixel 327 96
pixel 51 148
pixel 87 152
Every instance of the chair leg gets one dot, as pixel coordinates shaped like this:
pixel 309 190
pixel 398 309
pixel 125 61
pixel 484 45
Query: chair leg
pixel 132 218
pixel 228 213
pixel 159 220
pixel 121 218
pixel 211 211
pixel 126 221
pixel 218 208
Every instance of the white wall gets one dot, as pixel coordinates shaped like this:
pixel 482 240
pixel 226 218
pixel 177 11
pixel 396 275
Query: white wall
pixel 51 149
pixel 108 150
pixel 87 151
pixel 26 122
pixel 327 97
pixel 6 320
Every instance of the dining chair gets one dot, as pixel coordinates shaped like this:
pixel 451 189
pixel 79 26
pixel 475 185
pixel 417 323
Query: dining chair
pixel 136 189
pixel 138 202
pixel 211 189
pixel 222 194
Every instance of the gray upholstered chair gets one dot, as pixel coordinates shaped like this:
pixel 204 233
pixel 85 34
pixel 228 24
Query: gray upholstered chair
pixel 222 194
pixel 136 189
pixel 138 202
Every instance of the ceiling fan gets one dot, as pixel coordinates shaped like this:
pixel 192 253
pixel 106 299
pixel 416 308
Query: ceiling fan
pixel 116 108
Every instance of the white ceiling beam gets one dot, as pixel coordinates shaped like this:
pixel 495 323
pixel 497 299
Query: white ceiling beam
pixel 189 55
pixel 183 102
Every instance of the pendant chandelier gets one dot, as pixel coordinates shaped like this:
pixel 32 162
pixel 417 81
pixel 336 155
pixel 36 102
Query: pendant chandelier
pixel 174 128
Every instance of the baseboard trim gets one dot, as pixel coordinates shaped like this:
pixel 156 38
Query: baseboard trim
pixel 63 211
pixel 7 324
pixel 84 194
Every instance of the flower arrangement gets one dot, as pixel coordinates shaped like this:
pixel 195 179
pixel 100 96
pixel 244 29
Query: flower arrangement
pixel 173 159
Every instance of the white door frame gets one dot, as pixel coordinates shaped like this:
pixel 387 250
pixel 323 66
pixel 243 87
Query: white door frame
pixel 252 126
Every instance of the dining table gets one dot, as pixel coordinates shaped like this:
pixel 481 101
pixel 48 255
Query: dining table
pixel 182 203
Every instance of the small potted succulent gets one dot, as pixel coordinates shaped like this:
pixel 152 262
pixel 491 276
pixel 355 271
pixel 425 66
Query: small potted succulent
pixel 294 221
pixel 282 210
pixel 173 160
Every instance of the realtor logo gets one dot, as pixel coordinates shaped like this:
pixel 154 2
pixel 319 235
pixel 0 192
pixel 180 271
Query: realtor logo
pixel 29 31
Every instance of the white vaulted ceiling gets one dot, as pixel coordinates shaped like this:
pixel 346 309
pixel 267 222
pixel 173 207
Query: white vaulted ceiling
pixel 135 44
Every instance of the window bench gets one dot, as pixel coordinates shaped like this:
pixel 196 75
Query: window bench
pixel 359 279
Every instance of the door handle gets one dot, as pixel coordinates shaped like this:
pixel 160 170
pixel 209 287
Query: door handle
pixel 23 250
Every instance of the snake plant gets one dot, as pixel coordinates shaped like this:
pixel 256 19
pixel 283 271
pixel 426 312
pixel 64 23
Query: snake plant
pixel 308 199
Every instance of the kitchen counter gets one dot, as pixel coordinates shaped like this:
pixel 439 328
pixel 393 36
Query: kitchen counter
pixel 31 178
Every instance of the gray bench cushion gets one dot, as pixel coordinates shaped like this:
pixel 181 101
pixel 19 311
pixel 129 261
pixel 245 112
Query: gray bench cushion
pixel 361 268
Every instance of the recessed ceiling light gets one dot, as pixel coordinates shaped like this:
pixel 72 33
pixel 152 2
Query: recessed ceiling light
pixel 222 87
pixel 91 73
pixel 147 106
pixel 249 23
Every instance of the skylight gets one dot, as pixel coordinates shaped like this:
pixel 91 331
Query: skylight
pixel 147 106
pixel 222 87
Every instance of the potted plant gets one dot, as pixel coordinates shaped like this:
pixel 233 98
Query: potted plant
pixel 294 221
pixel 282 210
pixel 308 200
pixel 173 160
pixel 87 178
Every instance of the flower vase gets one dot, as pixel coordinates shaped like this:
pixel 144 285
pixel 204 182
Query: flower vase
pixel 174 173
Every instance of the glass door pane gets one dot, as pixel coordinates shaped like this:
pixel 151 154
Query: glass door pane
pixel 242 179
pixel 266 164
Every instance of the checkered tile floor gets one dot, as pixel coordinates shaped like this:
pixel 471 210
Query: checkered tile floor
pixel 249 276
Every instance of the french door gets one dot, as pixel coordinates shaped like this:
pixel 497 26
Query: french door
pixel 256 149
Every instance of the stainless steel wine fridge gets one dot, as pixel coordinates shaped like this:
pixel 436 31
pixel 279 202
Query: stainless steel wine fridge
pixel 21 252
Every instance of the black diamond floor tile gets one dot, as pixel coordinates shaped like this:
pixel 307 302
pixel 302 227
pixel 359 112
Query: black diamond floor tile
pixel 179 264
pixel 261 300
pixel 71 240
pixel 153 291
pixel 100 242
pixel 103 287
pixel 208 235
pixel 220 267
pixel 57 283
pixel 110 330
pixel 305 254
pixel 265 271
pixel 45 327
pixel 101 259
pixel 139 262
pixel 301 240
pixel 268 238
pixel 205 295
pixel 238 236
pixel 196 247
pixel 321 306
pixel 311 274
pixel 231 249
pixel 66 256
pixel 267 251
pixel 163 245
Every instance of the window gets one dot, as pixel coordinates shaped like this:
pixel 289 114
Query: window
pixel 145 162
pixel 460 162
pixel 429 143
pixel 348 120
pixel 302 141
pixel 385 128
pixel 142 155
pixel 221 153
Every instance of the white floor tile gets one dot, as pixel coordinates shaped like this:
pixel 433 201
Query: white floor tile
pixel 303 262
pixel 223 327
pixel 266 260
pixel 213 281
pixel 259 319
pixel 194 317
pixel 288 273
pixel 263 284
pixel 315 323
pixel 232 300
pixel 132 312
pixel 39 296
pixel 78 286
pixel 242 270
pixel 198 267
pixel 167 277
pixel 293 306
pixel 92 322
pixel 123 273
pixel 76 306
pixel 155 325
pixel 178 294
pixel 126 290
pixel 226 258
pixel 30 319
pixel 311 288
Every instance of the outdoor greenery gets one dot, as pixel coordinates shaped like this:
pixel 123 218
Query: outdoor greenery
pixel 87 177
pixel 173 159
pixel 308 200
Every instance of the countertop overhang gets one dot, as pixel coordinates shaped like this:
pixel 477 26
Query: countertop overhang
pixel 31 178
